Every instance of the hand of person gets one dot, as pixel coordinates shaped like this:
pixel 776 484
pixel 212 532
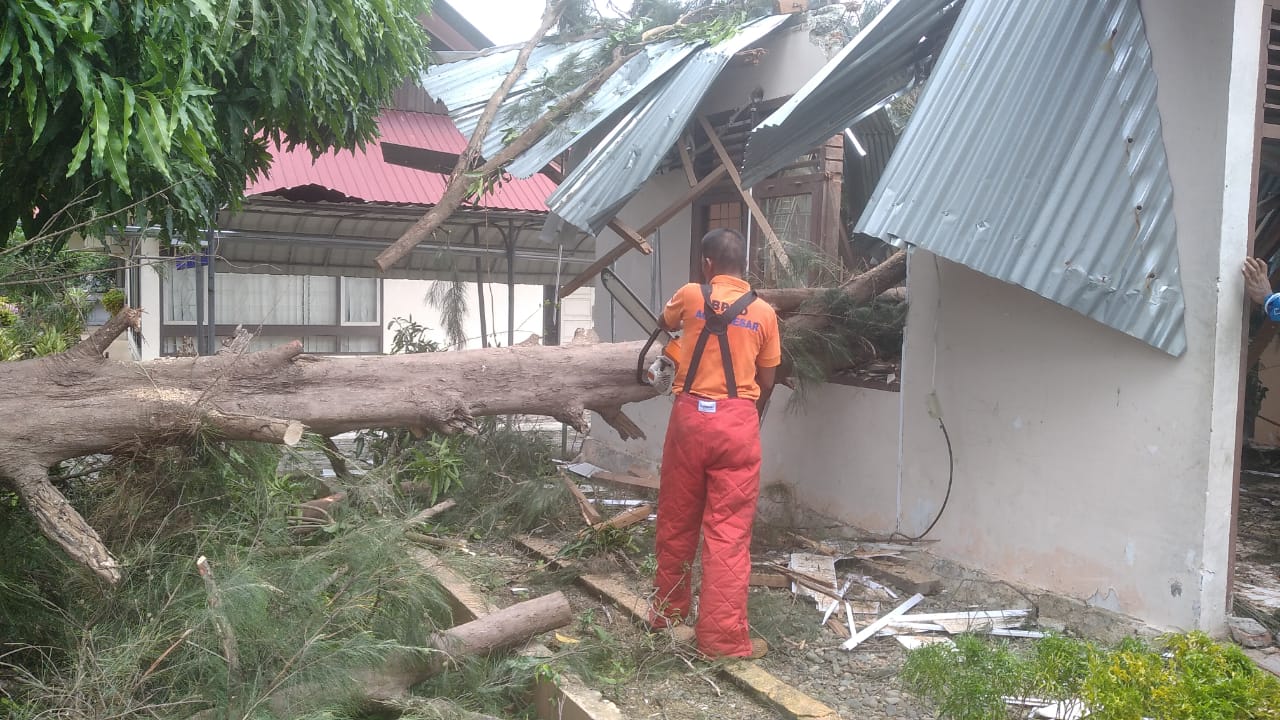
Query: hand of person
pixel 1256 283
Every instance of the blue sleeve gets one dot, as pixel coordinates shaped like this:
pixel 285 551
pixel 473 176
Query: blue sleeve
pixel 1272 307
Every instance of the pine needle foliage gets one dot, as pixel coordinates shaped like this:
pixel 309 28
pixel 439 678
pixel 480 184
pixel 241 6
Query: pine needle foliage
pixel 309 615
pixel 854 333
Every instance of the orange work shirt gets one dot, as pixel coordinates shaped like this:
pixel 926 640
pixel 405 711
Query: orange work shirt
pixel 753 339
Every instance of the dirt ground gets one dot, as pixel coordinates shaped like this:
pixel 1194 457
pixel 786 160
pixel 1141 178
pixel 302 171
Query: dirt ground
pixel 1257 573
pixel 647 676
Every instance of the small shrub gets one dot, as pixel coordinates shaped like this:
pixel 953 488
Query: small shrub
pixel 1188 676
pixel 113 301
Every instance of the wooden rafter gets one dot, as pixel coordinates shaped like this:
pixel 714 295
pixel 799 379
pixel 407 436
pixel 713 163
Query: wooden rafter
pixel 775 245
pixel 695 192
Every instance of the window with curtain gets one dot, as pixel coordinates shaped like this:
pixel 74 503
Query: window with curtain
pixel 359 301
pixel 179 293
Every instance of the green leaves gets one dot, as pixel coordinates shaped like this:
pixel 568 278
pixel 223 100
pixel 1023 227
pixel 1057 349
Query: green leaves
pixel 139 98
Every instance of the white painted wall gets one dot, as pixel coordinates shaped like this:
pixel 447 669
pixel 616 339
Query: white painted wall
pixel 1086 462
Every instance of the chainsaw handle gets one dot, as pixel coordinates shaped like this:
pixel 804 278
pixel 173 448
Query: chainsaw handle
pixel 645 353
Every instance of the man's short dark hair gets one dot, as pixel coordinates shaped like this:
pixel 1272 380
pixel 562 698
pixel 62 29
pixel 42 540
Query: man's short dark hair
pixel 726 248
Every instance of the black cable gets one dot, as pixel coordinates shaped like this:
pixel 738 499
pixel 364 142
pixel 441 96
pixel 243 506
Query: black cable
pixel 951 476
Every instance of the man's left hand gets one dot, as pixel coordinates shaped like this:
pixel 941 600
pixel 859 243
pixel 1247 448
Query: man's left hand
pixel 1256 283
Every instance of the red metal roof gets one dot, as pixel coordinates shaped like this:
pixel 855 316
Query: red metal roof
pixel 364 175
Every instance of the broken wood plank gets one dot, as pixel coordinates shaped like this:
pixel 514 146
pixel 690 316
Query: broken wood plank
pixel 771 580
pixel 816 546
pixel 465 601
pixel 431 512
pixel 838 628
pixel 809 582
pixel 589 512
pixel 969 615
pixel 878 625
pixel 821 568
pixel 651 483
pixel 442 543
pixel 775 245
pixel 604 261
pixel 637 514
pixel 907 578
pixel 768 689
pixel 915 642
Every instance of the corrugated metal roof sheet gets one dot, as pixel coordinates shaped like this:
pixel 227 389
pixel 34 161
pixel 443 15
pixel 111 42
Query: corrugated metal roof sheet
pixel 621 88
pixel 615 168
pixel 1035 156
pixel 364 175
pixel 465 87
pixel 877 64
pixel 662 86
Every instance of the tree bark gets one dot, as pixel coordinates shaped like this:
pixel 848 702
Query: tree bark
pixel 484 636
pixel 456 189
pixel 76 403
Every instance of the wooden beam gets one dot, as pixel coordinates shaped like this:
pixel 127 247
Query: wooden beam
pixel 604 261
pixel 727 162
pixel 686 162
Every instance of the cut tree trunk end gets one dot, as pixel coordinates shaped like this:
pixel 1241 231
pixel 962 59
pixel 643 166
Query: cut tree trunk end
pixel 482 637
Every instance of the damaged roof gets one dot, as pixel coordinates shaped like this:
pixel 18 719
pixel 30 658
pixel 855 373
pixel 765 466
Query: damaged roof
pixel 1035 156
pixel 882 61
pixel 639 112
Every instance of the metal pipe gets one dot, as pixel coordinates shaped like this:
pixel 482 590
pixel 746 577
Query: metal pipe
pixel 484 330
pixel 212 343
pixel 201 338
pixel 511 289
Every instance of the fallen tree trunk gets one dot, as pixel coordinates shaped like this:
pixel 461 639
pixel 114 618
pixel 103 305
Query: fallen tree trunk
pixel 482 637
pixel 76 403
pixel 496 632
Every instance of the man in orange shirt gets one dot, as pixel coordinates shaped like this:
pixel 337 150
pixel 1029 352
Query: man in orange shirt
pixel 730 352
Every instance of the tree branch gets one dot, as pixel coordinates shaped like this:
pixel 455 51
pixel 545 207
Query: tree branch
pixel 96 344
pixel 59 521
pixel 862 288
pixel 456 189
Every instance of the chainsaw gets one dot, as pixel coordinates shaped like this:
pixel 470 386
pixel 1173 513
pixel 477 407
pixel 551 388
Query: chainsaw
pixel 661 373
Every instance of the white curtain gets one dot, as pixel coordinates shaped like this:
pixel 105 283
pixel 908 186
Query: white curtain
pixel 360 300
pixel 276 300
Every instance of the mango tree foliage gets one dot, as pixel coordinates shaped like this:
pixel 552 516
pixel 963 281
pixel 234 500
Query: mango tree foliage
pixel 159 104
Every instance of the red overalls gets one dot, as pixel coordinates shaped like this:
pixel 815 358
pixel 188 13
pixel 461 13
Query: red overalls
pixel 710 483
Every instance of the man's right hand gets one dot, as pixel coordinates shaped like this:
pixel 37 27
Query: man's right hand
pixel 1256 282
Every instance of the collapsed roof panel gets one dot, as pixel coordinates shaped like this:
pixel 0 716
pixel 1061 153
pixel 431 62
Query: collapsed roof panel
pixel 465 87
pixel 621 88
pixel 879 63
pixel 615 169
pixel 1035 156
pixel 639 112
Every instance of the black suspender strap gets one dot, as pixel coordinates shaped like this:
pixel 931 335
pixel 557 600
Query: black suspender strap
pixel 717 324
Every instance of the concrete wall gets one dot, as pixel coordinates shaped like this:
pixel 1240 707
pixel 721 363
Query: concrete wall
pixel 1086 462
